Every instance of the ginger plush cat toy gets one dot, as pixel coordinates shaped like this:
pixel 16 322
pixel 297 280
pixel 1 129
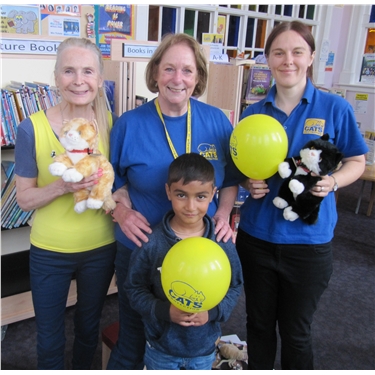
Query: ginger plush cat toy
pixel 294 197
pixel 82 158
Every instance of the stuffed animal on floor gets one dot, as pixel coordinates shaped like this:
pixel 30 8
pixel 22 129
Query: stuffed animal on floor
pixel 319 156
pixel 81 159
pixel 231 354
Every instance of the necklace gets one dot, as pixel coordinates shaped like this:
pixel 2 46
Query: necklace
pixel 183 235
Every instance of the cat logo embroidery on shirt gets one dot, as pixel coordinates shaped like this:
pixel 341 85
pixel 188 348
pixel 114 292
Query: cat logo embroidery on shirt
pixel 208 151
pixel 314 126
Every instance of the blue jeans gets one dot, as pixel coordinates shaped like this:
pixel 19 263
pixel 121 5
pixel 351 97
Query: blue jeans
pixel 128 352
pixel 50 276
pixel 283 285
pixel 157 360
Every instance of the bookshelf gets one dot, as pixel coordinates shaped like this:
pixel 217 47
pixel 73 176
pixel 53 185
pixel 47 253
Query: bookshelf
pixel 227 86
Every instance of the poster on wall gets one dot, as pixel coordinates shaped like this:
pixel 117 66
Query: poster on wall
pixel 63 19
pixel 329 62
pixel 64 26
pixel 60 9
pixel 114 21
pixel 360 105
pixel 368 68
pixel 221 20
pixel 19 19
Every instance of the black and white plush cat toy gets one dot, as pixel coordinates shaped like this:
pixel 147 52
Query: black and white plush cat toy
pixel 319 156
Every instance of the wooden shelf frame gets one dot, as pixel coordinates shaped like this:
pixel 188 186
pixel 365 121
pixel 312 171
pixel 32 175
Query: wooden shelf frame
pixel 20 306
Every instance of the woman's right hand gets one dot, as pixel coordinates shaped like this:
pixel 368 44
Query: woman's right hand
pixel 87 182
pixel 133 224
pixel 257 188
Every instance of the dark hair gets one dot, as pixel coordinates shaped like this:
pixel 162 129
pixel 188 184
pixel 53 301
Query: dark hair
pixel 191 167
pixel 168 41
pixel 300 28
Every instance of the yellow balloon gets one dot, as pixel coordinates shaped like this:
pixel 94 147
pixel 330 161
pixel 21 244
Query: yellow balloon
pixel 195 274
pixel 258 144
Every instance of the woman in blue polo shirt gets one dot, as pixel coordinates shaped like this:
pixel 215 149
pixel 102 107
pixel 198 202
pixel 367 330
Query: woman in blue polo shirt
pixel 287 264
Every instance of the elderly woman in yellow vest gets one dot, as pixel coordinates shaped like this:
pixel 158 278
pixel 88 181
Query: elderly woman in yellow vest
pixel 65 244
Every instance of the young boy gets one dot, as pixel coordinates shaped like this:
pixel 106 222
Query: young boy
pixel 177 339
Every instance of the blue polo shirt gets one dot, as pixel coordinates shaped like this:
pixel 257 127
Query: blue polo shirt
pixel 140 155
pixel 317 113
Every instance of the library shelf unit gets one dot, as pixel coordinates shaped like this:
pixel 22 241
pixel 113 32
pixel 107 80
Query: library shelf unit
pixel 227 86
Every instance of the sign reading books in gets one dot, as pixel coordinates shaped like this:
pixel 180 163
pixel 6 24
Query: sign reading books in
pixel 137 50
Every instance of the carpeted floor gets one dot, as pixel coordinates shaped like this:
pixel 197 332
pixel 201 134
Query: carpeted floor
pixel 344 326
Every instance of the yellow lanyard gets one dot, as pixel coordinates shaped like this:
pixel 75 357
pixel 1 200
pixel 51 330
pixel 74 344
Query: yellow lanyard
pixel 188 129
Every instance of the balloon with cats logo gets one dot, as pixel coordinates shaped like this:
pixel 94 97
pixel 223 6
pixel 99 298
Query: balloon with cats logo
pixel 258 145
pixel 195 274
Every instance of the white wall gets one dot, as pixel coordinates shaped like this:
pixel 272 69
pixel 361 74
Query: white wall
pixel 21 70
pixel 339 21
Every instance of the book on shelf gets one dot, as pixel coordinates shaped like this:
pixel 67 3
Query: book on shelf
pixel 12 216
pixel 14 110
pixel 230 114
pixel 370 141
pixel 7 168
pixel 237 61
pixel 18 101
pixel 12 212
pixel 234 222
pixel 21 219
pixel 9 209
pixel 28 218
pixel 6 193
pixel 259 82
pixel 9 120
pixel 2 133
pixel 241 196
pixel 109 87
pixel 26 101
pixel 41 91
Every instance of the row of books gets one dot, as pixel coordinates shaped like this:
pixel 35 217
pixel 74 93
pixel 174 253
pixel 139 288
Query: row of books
pixel 18 101
pixel 11 214
pixel 370 141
